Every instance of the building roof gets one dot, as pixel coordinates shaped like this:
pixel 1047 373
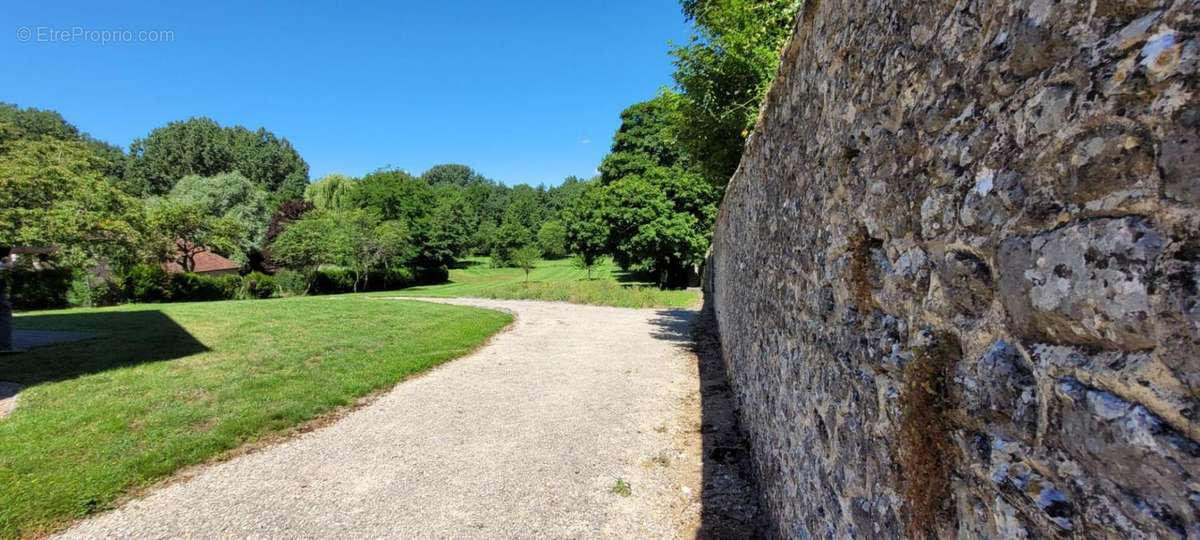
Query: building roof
pixel 206 261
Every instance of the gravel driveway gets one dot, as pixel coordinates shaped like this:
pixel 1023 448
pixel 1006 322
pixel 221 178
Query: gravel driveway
pixel 524 438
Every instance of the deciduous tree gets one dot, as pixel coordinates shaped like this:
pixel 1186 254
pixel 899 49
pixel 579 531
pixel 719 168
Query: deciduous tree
pixel 54 193
pixel 185 230
pixel 552 239
pixel 232 196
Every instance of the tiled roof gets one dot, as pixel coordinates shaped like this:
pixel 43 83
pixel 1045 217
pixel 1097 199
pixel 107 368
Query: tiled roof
pixel 206 261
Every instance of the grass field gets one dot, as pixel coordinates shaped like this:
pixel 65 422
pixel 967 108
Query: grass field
pixel 556 280
pixel 166 386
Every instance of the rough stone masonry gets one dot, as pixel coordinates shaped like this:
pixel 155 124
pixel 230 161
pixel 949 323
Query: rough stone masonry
pixel 1014 185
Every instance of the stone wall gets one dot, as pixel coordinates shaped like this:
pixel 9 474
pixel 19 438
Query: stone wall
pixel 1013 185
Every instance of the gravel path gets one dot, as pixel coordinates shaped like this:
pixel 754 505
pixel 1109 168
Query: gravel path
pixel 523 438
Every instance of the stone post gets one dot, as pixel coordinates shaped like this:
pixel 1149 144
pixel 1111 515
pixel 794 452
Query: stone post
pixel 6 332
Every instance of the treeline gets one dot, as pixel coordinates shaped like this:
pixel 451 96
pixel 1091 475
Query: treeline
pixel 194 186
pixel 116 219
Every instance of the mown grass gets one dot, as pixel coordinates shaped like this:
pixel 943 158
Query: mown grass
pixel 556 280
pixel 166 386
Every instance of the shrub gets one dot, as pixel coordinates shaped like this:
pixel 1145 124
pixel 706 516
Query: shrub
pixel 31 288
pixel 147 283
pixel 290 282
pixel 431 276
pixel 200 288
pixel 90 291
pixel 257 285
pixel 332 280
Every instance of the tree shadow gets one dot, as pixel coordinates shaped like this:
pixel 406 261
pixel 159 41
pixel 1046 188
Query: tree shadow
pixel 730 500
pixel 463 264
pixel 121 339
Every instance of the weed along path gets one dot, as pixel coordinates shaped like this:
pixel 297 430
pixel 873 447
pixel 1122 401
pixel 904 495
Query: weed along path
pixel 573 423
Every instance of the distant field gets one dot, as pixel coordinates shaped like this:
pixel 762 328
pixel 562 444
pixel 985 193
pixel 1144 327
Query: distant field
pixel 166 386
pixel 556 280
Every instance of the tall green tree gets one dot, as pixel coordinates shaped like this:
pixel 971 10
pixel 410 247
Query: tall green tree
pixel 452 174
pixel 510 237
pixel 353 243
pixel 525 206
pixel 552 239
pixel 269 160
pixel 304 246
pixel 645 139
pixel 395 245
pixel 724 73
pixel 54 193
pixel 587 228
pixel 657 209
pixel 451 224
pixel 395 195
pixel 33 124
pixel 200 146
pixel 661 222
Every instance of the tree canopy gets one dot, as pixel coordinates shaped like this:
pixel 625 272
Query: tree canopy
pixel 724 73
pixel 54 193
pixel 231 196
pixel 331 192
pixel 201 147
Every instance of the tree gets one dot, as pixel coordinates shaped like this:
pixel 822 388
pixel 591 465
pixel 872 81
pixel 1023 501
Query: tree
pixel 34 124
pixel 450 225
pixel 54 193
pixel 655 207
pixel 269 160
pixel 186 230
pixel 232 196
pixel 587 230
pixel 394 244
pixel 724 73
pixel 587 264
pixel 525 206
pixel 304 246
pixel 31 123
pixel 288 212
pixel 332 192
pixel 452 174
pixel 660 222
pixel 645 139
pixel 526 259
pixel 395 195
pixel 510 237
pixel 352 242
pixel 563 196
pixel 552 239
pixel 200 146
pixel 483 238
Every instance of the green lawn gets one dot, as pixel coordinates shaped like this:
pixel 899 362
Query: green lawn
pixel 556 280
pixel 166 386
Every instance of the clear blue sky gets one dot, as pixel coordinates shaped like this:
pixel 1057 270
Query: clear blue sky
pixel 525 91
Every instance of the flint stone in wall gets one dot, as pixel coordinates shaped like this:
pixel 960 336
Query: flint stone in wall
pixel 1086 283
pixel 1018 175
pixel 1000 392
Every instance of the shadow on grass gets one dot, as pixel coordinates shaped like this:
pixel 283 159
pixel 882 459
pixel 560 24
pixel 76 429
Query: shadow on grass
pixel 729 497
pixel 123 338
pixel 463 264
